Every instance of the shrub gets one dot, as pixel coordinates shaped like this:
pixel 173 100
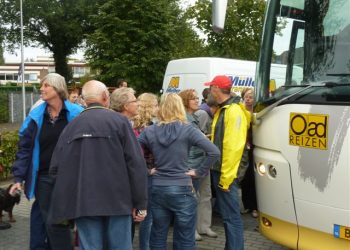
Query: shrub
pixel 4 110
pixel 8 147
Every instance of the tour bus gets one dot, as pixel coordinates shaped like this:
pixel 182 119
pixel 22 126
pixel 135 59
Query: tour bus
pixel 192 73
pixel 301 131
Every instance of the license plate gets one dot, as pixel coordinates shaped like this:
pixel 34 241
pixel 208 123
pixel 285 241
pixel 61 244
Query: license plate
pixel 342 232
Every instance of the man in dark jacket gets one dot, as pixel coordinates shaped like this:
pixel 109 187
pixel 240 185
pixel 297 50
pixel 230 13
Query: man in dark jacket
pixel 101 174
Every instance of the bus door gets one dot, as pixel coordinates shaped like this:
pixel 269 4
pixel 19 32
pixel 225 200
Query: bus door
pixel 307 131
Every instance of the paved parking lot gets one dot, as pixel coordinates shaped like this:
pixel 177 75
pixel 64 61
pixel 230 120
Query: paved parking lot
pixel 17 237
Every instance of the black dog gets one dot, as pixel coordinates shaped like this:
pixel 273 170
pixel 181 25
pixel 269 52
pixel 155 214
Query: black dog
pixel 7 202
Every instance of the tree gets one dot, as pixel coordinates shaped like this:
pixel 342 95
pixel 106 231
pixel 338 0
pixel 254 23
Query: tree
pixel 243 27
pixel 135 40
pixel 57 25
pixel 188 43
pixel 2 61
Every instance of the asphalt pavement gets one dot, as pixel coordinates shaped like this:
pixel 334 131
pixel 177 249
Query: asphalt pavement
pixel 17 237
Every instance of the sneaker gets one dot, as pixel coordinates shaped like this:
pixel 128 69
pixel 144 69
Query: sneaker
pixel 210 233
pixel 255 214
pixel 4 225
pixel 197 236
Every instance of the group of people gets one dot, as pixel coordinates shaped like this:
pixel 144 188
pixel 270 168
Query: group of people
pixel 123 160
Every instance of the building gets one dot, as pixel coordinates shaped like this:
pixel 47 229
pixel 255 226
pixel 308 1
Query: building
pixel 36 70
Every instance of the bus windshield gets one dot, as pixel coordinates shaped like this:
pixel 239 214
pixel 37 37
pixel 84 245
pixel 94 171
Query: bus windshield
pixel 309 45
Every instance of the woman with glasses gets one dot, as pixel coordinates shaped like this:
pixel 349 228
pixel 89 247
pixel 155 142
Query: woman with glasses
pixel 196 157
pixel 123 100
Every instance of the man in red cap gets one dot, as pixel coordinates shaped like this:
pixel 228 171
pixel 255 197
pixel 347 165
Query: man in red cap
pixel 229 133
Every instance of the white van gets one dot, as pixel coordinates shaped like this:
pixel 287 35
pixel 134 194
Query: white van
pixel 194 72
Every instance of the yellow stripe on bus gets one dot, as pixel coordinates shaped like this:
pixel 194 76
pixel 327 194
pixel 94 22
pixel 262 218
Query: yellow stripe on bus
pixel 285 233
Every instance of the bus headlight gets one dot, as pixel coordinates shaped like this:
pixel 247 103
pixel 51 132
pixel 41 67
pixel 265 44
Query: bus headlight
pixel 261 169
pixel 272 171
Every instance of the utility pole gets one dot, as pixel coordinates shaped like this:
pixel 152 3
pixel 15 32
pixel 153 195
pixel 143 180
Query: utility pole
pixel 22 66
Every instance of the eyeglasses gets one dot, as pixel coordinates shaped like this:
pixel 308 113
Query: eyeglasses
pixel 195 98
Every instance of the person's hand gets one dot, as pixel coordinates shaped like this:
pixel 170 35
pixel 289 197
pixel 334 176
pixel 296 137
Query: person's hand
pixel 138 215
pixel 14 188
pixel 191 173
pixel 225 190
pixel 152 171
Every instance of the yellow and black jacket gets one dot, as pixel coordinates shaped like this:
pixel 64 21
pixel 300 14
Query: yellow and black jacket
pixel 229 132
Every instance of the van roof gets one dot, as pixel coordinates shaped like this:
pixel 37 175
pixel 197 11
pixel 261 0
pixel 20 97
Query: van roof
pixel 209 60
pixel 208 64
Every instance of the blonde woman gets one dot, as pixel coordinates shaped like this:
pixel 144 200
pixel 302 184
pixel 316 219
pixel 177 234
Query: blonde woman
pixel 172 193
pixel 148 110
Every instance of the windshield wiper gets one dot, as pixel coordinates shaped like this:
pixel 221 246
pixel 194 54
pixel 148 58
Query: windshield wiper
pixel 334 84
pixel 295 86
pixel 338 74
pixel 258 116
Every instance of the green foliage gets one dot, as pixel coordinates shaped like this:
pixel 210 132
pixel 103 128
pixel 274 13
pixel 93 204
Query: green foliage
pixel 8 147
pixel 2 61
pixel 59 26
pixel 135 40
pixel 85 79
pixel 187 41
pixel 243 27
pixel 4 110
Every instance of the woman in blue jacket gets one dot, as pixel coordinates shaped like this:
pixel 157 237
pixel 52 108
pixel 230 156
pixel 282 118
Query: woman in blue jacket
pixel 38 137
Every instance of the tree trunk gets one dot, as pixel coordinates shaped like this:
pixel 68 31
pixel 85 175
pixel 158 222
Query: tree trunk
pixel 61 65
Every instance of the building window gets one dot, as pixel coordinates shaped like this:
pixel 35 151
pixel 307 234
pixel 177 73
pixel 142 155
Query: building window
pixel 51 70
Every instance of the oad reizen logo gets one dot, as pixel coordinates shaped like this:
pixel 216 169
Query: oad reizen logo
pixel 308 130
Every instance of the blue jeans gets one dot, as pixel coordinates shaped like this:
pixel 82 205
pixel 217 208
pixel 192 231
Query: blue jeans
pixel 59 235
pixel 38 235
pixel 145 226
pixel 95 230
pixel 228 205
pixel 178 203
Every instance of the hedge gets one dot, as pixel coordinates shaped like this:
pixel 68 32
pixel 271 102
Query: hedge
pixel 4 109
pixel 8 147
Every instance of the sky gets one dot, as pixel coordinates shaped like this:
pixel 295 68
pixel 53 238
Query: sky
pixel 33 52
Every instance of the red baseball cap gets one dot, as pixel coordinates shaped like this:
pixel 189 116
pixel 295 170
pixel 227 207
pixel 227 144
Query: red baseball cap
pixel 222 82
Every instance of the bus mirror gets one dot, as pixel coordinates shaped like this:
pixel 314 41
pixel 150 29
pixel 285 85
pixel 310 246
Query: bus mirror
pixel 218 15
